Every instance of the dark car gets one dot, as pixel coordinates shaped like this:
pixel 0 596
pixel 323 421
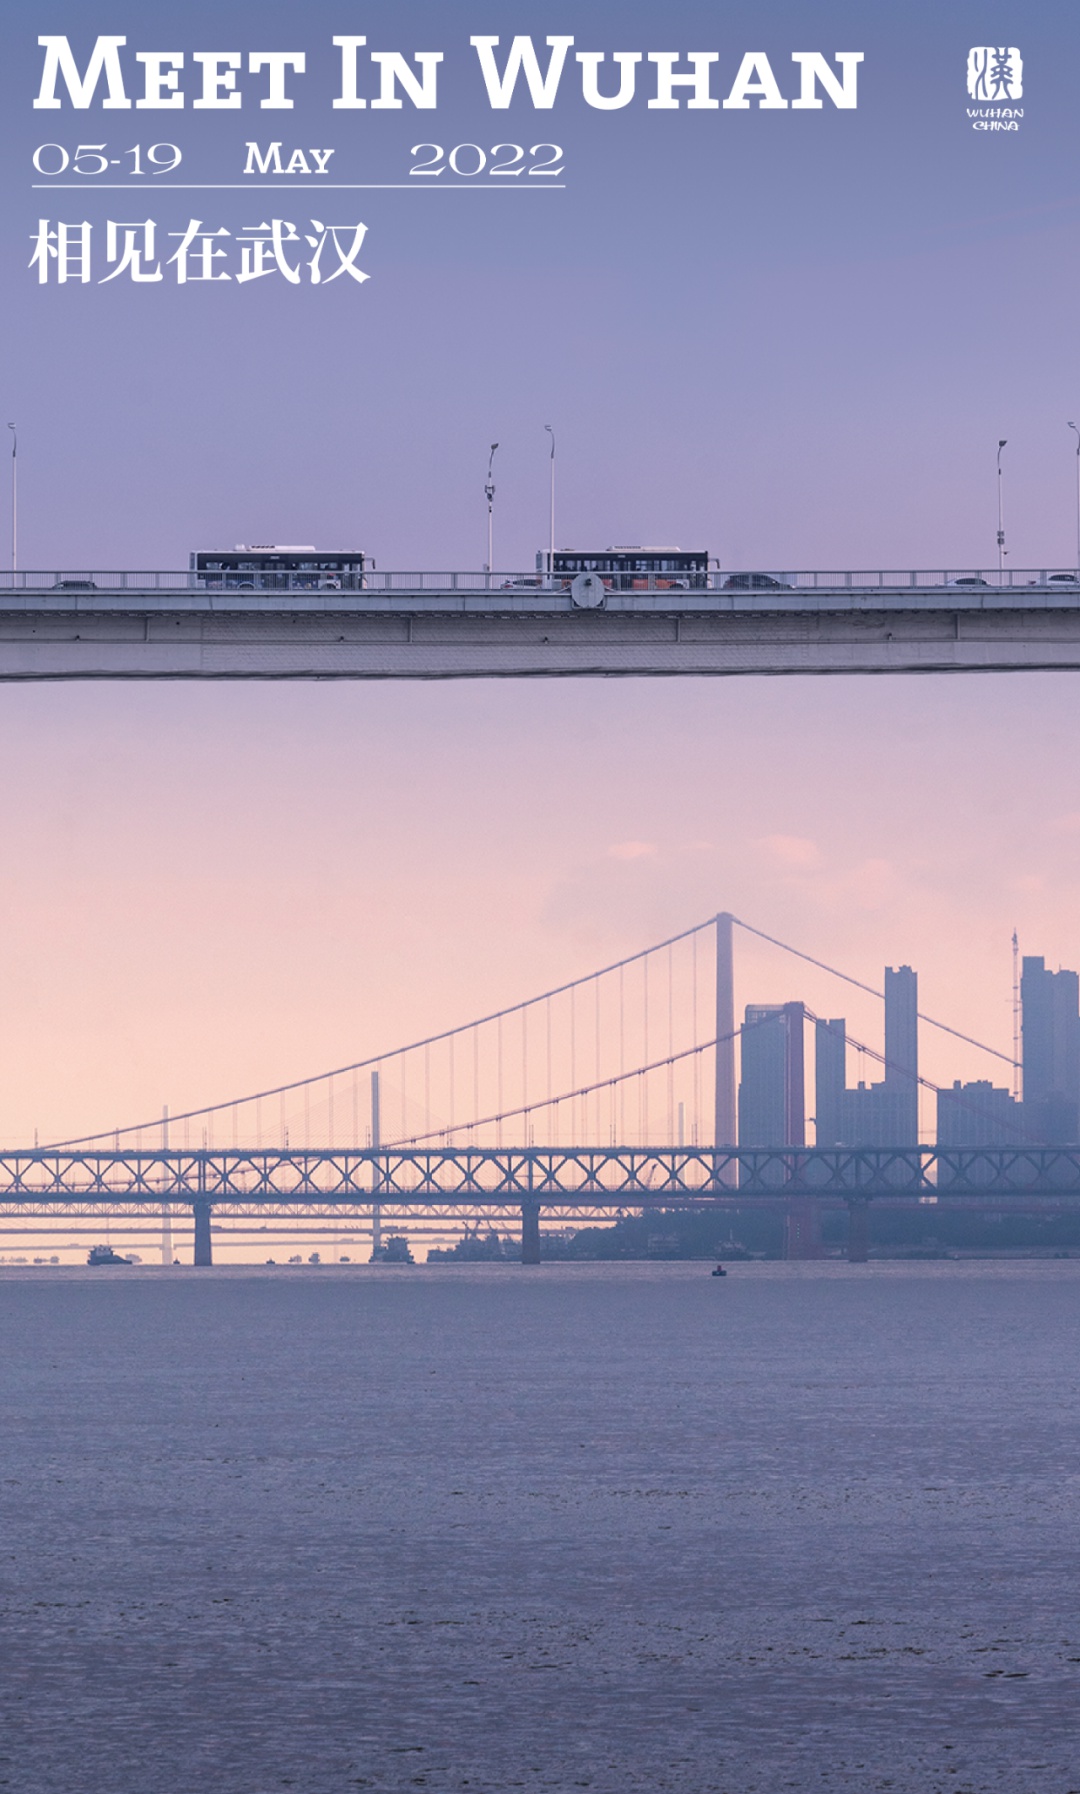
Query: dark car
pixel 754 582
pixel 973 579
pixel 75 585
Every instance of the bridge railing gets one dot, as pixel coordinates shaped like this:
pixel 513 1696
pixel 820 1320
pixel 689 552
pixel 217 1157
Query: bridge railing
pixel 81 584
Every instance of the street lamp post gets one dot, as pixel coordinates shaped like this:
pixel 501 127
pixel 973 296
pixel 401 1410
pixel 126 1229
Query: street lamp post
pixel 551 509
pixel 489 494
pixel 14 497
pixel 1074 427
pixel 1001 511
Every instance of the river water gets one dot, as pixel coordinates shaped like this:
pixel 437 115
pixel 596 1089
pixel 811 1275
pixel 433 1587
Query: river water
pixel 617 1527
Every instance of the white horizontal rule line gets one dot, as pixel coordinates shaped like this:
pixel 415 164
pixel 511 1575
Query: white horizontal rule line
pixel 144 184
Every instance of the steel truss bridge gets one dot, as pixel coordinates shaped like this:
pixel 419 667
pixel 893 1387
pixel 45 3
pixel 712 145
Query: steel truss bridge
pixel 561 1184
pixel 168 625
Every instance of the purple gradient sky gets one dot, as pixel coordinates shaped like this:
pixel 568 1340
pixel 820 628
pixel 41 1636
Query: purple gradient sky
pixel 794 340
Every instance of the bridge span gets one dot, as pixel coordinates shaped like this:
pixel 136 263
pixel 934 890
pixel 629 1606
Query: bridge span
pixel 166 625
pixel 564 1182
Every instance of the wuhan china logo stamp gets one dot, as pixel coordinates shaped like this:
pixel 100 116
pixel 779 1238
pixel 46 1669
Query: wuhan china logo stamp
pixel 995 78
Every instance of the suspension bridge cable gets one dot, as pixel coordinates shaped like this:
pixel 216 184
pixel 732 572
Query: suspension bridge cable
pixel 673 1058
pixel 639 1071
pixel 566 1096
pixel 869 988
pixel 497 1016
pixel 375 1059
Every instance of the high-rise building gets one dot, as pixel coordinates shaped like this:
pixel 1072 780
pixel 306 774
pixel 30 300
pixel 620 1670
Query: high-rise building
pixel 1051 1050
pixel 973 1115
pixel 887 1114
pixel 902 1048
pixel 772 1101
pixel 877 1115
pixel 978 1114
pixel 830 1080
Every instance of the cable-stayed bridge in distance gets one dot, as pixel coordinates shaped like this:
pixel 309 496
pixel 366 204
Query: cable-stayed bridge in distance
pixel 614 1093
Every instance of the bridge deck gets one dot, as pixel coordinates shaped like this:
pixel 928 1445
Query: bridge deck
pixel 164 627
pixel 593 1178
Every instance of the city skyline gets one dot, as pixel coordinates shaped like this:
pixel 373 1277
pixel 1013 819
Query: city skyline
pixel 1039 1105
pixel 777 1097
pixel 153 880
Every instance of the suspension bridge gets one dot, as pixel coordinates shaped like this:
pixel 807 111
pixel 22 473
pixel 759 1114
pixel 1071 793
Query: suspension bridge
pixel 612 1094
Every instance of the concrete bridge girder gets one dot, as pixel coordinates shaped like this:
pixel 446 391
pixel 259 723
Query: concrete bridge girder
pixel 420 633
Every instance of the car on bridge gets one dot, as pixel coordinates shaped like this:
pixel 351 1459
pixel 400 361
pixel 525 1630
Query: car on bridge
pixel 755 582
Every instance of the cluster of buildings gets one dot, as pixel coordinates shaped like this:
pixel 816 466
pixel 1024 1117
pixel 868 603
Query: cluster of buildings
pixel 772 1087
